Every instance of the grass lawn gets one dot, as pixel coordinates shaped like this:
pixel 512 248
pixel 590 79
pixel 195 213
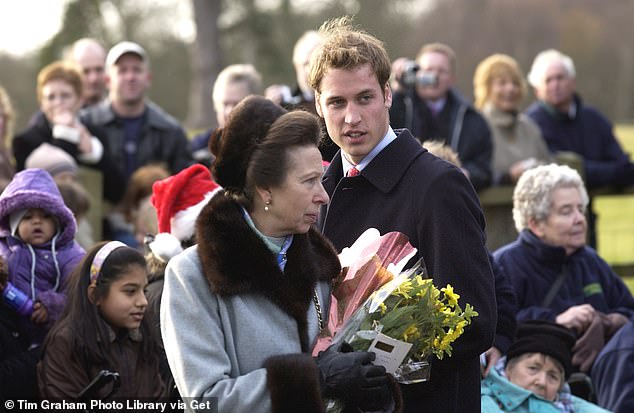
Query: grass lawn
pixel 616 216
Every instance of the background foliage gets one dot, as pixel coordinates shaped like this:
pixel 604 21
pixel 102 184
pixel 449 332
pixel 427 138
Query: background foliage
pixel 263 32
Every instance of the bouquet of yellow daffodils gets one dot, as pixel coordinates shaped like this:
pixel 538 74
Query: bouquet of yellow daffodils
pixel 413 310
pixel 405 322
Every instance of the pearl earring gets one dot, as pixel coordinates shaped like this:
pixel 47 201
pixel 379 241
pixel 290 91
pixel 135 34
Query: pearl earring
pixel 266 205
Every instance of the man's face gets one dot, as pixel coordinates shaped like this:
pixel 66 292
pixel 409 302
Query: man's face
pixel 556 87
pixel 92 63
pixel 355 108
pixel 230 95
pixel 129 79
pixel 301 63
pixel 438 64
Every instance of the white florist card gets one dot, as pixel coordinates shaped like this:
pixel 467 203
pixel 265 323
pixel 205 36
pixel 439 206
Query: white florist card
pixel 390 353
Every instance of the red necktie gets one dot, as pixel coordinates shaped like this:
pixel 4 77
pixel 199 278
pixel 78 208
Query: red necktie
pixel 353 172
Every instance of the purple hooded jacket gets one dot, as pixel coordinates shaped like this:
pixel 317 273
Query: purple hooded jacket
pixel 45 281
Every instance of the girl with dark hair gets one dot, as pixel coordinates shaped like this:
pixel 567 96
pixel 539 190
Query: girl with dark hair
pixel 103 328
pixel 255 289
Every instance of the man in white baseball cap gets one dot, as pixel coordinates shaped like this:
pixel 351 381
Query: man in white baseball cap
pixel 122 48
pixel 137 131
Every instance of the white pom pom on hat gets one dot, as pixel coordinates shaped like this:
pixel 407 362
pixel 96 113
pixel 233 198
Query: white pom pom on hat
pixel 178 201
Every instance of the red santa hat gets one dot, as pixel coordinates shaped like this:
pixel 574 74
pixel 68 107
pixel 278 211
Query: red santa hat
pixel 178 201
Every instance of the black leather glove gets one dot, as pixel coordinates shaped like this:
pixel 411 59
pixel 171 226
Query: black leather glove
pixel 352 378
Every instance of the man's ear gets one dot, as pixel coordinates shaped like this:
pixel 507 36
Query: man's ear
pixel 387 93
pixel 318 105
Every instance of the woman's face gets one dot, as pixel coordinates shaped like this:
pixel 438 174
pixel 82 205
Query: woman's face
pixel 505 93
pixel 295 204
pixel 58 97
pixel 566 224
pixel 537 373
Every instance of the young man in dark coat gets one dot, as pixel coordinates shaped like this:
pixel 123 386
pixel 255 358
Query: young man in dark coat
pixel 384 179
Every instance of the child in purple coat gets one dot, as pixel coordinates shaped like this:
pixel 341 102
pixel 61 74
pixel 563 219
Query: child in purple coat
pixel 37 240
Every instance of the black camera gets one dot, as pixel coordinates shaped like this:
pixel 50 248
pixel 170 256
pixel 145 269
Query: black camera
pixel 412 76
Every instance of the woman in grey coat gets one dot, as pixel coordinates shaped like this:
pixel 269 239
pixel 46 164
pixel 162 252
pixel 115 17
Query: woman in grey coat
pixel 241 310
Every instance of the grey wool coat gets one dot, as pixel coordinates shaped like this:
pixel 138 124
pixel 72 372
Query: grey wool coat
pixel 407 189
pixel 234 326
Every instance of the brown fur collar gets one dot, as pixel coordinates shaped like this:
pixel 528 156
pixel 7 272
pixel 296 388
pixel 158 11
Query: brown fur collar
pixel 236 261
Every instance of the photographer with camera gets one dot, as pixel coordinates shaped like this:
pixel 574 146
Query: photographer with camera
pixel 426 103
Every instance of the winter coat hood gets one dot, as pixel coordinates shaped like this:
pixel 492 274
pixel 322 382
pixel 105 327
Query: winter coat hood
pixel 35 188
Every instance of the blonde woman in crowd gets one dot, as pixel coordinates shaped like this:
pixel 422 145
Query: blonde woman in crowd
pixel 518 145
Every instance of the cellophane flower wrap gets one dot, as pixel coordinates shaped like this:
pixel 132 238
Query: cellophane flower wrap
pixel 411 309
pixel 368 264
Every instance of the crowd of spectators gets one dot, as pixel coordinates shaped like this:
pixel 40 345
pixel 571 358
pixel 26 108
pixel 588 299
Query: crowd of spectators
pixel 355 141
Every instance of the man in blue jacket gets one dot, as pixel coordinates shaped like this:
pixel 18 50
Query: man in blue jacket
pixel 569 125
pixel 385 179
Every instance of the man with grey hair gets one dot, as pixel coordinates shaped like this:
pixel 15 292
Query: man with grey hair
pixel 234 83
pixel 555 276
pixel 570 125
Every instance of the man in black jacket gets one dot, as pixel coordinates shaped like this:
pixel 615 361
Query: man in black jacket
pixel 385 179
pixel 138 132
pixel 432 109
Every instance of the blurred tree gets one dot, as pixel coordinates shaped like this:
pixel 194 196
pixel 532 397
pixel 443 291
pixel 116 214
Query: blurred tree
pixel 263 33
pixel 111 21
pixel 81 19
pixel 21 93
pixel 206 63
